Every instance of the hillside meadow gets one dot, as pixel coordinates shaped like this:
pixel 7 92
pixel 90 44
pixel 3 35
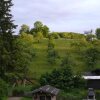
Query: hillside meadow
pixel 65 47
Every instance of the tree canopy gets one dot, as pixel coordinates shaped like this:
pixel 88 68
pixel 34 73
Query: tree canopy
pixel 7 47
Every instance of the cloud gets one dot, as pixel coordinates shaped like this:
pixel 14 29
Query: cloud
pixel 59 15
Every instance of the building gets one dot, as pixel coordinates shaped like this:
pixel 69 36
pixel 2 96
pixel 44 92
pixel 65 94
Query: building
pixel 93 79
pixel 46 92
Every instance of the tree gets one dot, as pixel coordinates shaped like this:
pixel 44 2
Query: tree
pixel 52 53
pixel 54 35
pixel 38 26
pixel 98 33
pixel 24 29
pixel 24 54
pixel 39 36
pixel 45 31
pixel 61 78
pixel 7 48
pixel 91 57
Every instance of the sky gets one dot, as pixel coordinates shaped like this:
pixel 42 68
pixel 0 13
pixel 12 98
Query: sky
pixel 58 15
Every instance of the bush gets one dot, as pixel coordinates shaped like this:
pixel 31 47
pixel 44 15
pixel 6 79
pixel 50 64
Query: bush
pixel 54 35
pixel 20 90
pixel 62 78
pixel 52 53
pixel 72 95
pixel 3 89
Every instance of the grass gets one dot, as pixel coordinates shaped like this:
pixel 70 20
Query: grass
pixel 40 65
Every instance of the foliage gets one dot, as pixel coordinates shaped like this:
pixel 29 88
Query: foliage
pixel 90 37
pixel 7 47
pixel 24 55
pixel 52 53
pixel 39 28
pixel 20 90
pixel 3 89
pixel 71 35
pixel 54 35
pixel 45 30
pixel 24 29
pixel 76 94
pixel 64 35
pixel 40 64
pixel 79 45
pixel 98 33
pixel 63 78
pixel 91 57
pixel 39 36
pixel 67 61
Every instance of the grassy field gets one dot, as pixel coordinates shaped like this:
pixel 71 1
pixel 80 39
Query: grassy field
pixel 40 65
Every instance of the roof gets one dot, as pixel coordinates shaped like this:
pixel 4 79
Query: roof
pixel 95 74
pixel 91 77
pixel 47 89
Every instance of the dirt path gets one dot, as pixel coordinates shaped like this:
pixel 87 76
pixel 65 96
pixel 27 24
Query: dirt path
pixel 14 98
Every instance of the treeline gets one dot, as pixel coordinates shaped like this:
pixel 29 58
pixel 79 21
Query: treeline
pixel 40 31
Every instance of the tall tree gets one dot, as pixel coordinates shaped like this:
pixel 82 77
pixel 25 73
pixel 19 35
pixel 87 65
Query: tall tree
pixel 24 29
pixel 6 37
pixel 38 26
pixel 24 54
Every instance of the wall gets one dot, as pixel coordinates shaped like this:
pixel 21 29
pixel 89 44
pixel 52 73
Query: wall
pixel 93 83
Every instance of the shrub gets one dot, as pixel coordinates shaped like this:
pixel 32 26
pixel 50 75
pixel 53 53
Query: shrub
pixel 3 89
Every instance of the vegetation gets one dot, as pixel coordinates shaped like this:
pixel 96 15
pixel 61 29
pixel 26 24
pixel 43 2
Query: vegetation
pixel 98 33
pixel 63 78
pixel 92 56
pixel 3 89
pixel 76 49
pixel 39 28
pixel 24 29
pixel 52 53
pixel 38 57
pixel 7 47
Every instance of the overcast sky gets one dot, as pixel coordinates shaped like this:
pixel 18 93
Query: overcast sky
pixel 58 15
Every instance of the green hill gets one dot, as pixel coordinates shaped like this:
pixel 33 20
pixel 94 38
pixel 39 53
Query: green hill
pixel 75 49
